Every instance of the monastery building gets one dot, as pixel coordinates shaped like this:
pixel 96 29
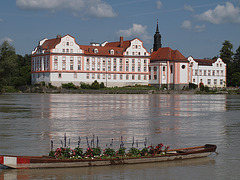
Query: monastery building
pixel 62 60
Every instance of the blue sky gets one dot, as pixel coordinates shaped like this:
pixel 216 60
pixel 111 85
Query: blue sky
pixel 196 28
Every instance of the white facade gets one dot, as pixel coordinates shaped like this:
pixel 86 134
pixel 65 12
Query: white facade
pixel 62 60
pixel 209 72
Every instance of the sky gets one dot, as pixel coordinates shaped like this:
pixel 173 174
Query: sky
pixel 195 28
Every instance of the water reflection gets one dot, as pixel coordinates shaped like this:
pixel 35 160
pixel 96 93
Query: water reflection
pixel 29 121
pixel 160 118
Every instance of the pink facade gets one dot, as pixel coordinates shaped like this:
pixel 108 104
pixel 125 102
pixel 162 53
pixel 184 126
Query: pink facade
pixel 169 69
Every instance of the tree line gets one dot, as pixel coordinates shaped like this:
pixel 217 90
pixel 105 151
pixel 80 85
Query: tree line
pixel 233 63
pixel 15 69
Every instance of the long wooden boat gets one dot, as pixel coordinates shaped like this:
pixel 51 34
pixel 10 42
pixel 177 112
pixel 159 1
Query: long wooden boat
pixel 36 162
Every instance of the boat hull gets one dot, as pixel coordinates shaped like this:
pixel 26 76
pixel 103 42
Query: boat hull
pixel 27 162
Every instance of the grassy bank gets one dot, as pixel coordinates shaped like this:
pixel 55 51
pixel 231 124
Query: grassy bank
pixel 114 90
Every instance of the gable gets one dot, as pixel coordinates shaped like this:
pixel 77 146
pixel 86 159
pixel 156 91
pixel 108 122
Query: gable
pixel 68 45
pixel 136 48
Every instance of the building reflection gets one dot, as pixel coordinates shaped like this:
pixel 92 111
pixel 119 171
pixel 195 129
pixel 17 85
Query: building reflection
pixel 113 116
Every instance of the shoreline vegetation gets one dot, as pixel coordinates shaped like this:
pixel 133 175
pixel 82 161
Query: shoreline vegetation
pixel 99 88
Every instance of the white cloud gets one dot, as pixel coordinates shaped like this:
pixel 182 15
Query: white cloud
pixel 137 30
pixel 80 8
pixel 1 20
pixel 199 28
pixel 221 14
pixel 187 25
pixel 159 4
pixel 6 39
pixel 188 8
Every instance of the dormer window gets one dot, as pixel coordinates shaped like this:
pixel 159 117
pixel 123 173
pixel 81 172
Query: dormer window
pixel 111 51
pixel 95 50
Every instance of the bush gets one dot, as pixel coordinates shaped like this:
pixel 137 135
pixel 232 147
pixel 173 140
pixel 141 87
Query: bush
pixel 9 89
pixel 85 85
pixel 192 86
pixel 95 85
pixel 42 83
pixel 206 88
pixel 102 85
pixel 164 86
pixel 51 86
pixel 69 86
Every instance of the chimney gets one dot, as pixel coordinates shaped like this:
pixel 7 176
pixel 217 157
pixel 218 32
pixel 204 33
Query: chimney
pixel 121 42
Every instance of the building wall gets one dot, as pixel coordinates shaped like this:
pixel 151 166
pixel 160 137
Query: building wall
pixel 183 73
pixel 211 75
pixel 68 63
pixel 169 73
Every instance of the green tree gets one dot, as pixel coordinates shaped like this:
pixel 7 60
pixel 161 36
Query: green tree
pixel 226 54
pixel 8 63
pixel 24 68
pixel 236 79
pixel 236 59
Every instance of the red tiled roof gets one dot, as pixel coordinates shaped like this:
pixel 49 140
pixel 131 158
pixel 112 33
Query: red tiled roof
pixel 163 54
pixel 126 44
pixel 51 43
pixel 205 62
pixel 102 51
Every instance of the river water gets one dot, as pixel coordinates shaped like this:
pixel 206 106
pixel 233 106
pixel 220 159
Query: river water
pixel 28 122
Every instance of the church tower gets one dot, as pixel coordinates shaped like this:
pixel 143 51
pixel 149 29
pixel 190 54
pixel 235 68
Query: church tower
pixel 157 40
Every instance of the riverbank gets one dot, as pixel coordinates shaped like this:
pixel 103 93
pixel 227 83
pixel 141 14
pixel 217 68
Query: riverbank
pixel 120 90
